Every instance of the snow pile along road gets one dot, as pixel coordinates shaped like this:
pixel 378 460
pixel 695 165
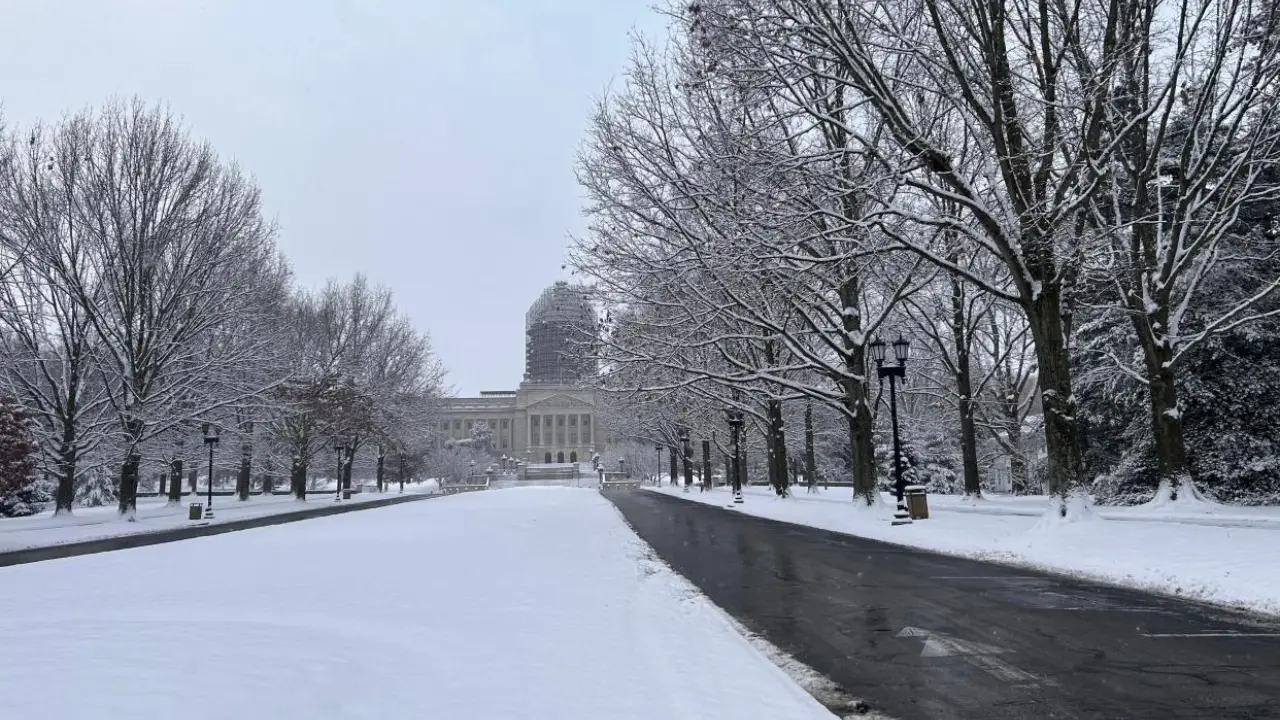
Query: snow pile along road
pixel 1147 548
pixel 527 603
pixel 156 514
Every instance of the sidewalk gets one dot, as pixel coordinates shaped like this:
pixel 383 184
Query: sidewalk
pixel 1192 513
pixel 1201 554
pixel 155 514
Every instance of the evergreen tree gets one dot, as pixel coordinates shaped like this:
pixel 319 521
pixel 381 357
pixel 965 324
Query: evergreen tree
pixel 22 490
pixel 98 489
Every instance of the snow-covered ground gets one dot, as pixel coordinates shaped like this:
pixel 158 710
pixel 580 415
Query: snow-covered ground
pixel 1174 549
pixel 156 514
pixel 523 603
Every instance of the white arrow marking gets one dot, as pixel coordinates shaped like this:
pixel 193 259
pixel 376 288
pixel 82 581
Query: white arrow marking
pixel 977 654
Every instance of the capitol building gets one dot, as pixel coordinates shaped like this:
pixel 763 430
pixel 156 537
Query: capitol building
pixel 550 417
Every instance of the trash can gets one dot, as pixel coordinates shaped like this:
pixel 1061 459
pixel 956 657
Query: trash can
pixel 917 502
pixel 346 493
pixel 194 511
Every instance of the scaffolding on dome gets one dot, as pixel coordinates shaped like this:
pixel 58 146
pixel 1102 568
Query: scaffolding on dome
pixel 558 329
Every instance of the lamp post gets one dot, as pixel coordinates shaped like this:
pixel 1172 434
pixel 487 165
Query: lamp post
pixel 337 491
pixel 687 452
pixel 210 439
pixel 622 465
pixel 735 433
pixel 901 349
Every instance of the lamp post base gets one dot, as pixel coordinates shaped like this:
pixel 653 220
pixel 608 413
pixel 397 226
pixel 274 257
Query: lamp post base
pixel 737 498
pixel 901 516
pixel 208 513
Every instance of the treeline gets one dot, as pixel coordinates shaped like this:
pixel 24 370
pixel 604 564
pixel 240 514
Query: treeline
pixel 145 303
pixel 1068 209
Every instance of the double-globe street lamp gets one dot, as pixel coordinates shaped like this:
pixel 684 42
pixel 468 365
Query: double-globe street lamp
pixel 901 349
pixel 734 418
pixel 210 439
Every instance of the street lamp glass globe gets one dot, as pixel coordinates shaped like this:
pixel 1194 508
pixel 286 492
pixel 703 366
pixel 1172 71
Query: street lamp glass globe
pixel 877 351
pixel 901 349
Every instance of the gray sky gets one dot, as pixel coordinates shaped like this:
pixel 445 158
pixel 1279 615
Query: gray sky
pixel 426 143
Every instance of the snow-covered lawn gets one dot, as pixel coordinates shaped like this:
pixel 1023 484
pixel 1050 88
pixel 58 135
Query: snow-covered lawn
pixel 1171 550
pixel 524 603
pixel 156 514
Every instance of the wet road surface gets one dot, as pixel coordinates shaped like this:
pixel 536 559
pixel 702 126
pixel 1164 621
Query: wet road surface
pixel 920 635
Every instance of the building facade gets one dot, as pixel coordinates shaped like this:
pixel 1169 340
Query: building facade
pixel 550 418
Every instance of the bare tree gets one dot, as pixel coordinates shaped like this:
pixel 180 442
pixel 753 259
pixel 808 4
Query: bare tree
pixel 170 234
pixel 50 345
pixel 1196 117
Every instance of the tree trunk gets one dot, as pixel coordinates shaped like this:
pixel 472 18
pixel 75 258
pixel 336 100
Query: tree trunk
pixel 964 387
pixel 164 484
pixel 778 468
pixel 861 443
pixel 675 469
pixel 1063 440
pixel 382 456
pixel 706 464
pixel 346 466
pixel 244 477
pixel 298 478
pixel 68 456
pixel 175 487
pixel 129 485
pixel 688 465
pixel 810 458
pixel 857 404
pixel 1166 416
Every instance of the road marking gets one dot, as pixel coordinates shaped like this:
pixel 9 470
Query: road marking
pixel 979 655
pixel 1208 634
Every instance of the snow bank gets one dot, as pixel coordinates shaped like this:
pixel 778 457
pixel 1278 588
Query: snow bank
pixel 156 514
pixel 1138 547
pixel 524 603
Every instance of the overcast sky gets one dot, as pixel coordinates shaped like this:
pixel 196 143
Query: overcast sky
pixel 426 143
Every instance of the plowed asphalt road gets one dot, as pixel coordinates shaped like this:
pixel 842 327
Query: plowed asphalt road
pixel 921 635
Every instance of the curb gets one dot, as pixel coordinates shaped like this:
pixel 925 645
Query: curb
pixel 167 535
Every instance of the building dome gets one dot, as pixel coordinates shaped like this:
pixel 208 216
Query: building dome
pixel 558 329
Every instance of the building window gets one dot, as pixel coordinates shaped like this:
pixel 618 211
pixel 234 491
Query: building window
pixel 470 424
pixel 573 430
pixel 586 429
pixel 457 424
pixel 535 430
pixel 444 426
pixel 504 424
pixel 560 432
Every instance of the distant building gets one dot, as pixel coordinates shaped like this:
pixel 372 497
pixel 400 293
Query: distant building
pixel 550 418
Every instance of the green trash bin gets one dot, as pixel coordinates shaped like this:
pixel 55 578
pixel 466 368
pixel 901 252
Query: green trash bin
pixel 194 511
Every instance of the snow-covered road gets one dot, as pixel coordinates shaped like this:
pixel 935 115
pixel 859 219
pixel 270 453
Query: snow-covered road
pixel 526 603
